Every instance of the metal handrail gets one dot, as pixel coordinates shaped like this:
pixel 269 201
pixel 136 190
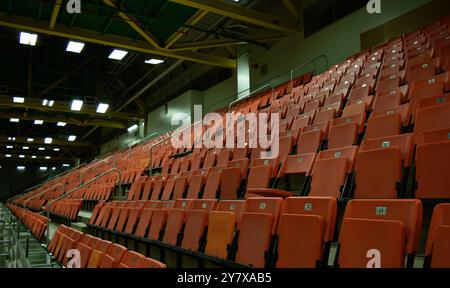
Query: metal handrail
pixel 307 63
pixel 40 193
pixel 268 84
pixel 79 187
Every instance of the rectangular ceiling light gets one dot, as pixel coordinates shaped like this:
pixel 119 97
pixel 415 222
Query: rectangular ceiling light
pixel 48 157
pixel 33 157
pixel 9 147
pixel 41 149
pixel 43 168
pixel 66 165
pixel 15 120
pixel 11 138
pixel 28 38
pixel 44 102
pixel 18 99
pixel 132 128
pixel 21 156
pixel 72 138
pixel 117 54
pixel 30 139
pixel 48 140
pixel 56 149
pixel 38 122
pixel 53 168
pixel 154 61
pixel 50 103
pixel 102 108
pixel 8 155
pixel 61 124
pixel 20 168
pixel 76 105
pixel 26 148
pixel 75 47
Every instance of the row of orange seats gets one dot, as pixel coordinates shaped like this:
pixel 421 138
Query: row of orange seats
pixel 36 223
pixel 295 232
pixel 95 252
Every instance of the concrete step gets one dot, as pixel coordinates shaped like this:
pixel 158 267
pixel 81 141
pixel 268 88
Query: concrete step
pixel 84 216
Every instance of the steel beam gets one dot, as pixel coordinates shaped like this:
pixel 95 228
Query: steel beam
pixel 192 21
pixel 221 43
pixel 291 9
pixel 23 23
pixel 235 11
pixel 135 25
pixel 55 13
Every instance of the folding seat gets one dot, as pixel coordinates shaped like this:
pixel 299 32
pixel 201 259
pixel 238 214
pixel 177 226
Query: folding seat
pixel 367 76
pixel 230 183
pixel 343 135
pixel 391 68
pixel 437 252
pixel 143 223
pixel 240 153
pixel 432 170
pixel 121 220
pixel 433 101
pixel 181 183
pixel 242 164
pixel 151 263
pixel 158 220
pixel 312 105
pixel 158 187
pixel 131 260
pixel 390 226
pixel 113 220
pixel 305 232
pixel 293 112
pixel 166 167
pixel 197 160
pixel 222 224
pixel 147 190
pixel 95 258
pixel 104 216
pixel 433 136
pixel 300 123
pixel 212 185
pixel 185 164
pixel 429 87
pixel 379 167
pixel 132 217
pixel 257 229
pixel 360 94
pixel 402 91
pixel 392 82
pixel 223 157
pixel 136 189
pixel 295 172
pixel 359 119
pixel 383 126
pixel 85 254
pixel 334 98
pixel 404 111
pixel 113 256
pixel 210 159
pixel 431 118
pixel 324 116
pixel 387 102
pixel 176 218
pixel 309 142
pixel 196 224
pixel 196 183
pixel 354 109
